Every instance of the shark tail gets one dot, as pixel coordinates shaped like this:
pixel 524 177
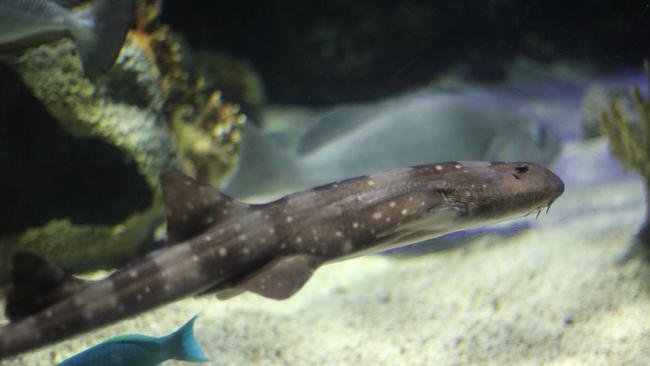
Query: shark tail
pixel 100 32
pixel 183 346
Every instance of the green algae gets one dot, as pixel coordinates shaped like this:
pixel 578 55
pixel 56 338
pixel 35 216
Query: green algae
pixel 629 137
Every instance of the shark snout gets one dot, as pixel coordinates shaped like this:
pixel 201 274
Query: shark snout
pixel 544 184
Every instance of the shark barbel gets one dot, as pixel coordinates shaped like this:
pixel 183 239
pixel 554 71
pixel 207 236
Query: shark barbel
pixel 223 246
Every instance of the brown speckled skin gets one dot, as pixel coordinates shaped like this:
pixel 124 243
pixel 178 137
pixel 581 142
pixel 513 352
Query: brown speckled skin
pixel 224 246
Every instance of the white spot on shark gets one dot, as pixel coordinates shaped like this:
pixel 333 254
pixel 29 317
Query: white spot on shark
pixel 392 204
pixel 371 183
pixel 298 240
pixel 355 225
pixel 438 167
pixel 377 215
pixel 242 237
pixel 223 252
pixel 289 219
pixel 404 212
pixel 246 251
pixel 133 273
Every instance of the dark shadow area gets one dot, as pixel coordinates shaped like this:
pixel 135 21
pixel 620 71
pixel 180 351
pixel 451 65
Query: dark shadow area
pixel 45 173
pixel 327 52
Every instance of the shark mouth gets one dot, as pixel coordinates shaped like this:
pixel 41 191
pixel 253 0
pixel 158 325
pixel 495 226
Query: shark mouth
pixel 540 209
pixel 49 174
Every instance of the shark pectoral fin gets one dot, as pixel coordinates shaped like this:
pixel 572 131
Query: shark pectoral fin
pixel 193 207
pixel 37 284
pixel 282 277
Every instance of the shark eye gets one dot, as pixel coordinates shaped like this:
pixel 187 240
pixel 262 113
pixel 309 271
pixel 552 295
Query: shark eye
pixel 520 170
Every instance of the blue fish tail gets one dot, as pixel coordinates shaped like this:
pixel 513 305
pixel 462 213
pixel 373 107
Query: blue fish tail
pixel 183 346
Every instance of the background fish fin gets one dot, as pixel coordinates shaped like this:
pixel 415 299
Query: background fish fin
pixel 37 284
pixel 182 345
pixel 333 125
pixel 193 207
pixel 261 163
pixel 282 277
pixel 100 32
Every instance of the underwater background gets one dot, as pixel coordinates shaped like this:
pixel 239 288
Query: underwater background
pixel 264 99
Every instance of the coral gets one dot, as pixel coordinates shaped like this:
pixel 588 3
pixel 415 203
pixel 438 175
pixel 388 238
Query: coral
pixel 85 156
pixel 109 140
pixel 630 139
pixel 207 128
pixel 237 78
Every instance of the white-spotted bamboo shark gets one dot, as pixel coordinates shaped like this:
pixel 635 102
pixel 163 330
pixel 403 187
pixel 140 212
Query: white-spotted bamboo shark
pixel 219 245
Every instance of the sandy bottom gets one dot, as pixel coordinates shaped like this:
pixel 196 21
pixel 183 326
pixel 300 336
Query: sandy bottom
pixel 557 294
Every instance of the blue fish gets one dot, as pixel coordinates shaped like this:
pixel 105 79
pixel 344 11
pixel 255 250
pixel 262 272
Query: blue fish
pixel 136 349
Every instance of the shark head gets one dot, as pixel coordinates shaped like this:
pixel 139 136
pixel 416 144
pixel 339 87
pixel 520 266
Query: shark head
pixel 489 192
pixel 428 201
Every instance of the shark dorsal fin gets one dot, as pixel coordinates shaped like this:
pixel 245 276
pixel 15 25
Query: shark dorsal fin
pixel 36 285
pixel 192 208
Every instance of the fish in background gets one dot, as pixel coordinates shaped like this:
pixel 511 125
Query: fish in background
pixel 98 30
pixel 141 350
pixel 408 130
pixel 571 96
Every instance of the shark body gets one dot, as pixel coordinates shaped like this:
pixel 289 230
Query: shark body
pixel 223 246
